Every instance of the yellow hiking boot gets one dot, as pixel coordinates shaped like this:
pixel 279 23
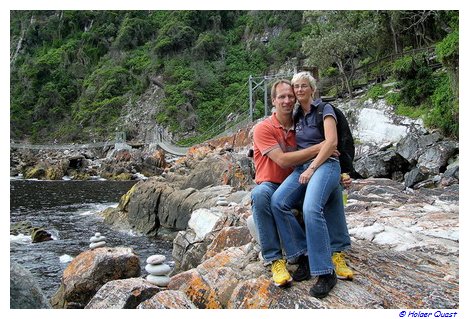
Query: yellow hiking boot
pixel 341 269
pixel 280 273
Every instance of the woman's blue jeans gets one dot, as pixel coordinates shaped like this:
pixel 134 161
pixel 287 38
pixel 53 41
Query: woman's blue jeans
pixel 261 196
pixel 322 211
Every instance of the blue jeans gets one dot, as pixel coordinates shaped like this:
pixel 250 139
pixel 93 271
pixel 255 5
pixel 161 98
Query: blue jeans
pixel 334 213
pixel 261 195
pixel 322 210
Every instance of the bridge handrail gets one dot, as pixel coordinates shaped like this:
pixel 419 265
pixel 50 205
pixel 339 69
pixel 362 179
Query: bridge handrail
pixel 173 149
pixel 59 146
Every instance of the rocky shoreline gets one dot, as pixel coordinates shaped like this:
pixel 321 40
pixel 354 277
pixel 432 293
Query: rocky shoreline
pixel 84 164
pixel 405 248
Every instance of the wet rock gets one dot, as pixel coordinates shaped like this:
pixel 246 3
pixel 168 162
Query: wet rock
pixel 39 235
pixel 23 227
pixel 90 270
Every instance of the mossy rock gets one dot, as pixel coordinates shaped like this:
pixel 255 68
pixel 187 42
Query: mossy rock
pixel 77 175
pixel 22 227
pixel 54 173
pixel 122 177
pixel 125 199
pixel 35 172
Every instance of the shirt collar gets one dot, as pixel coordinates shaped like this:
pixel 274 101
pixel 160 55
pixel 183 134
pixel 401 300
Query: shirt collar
pixel 275 121
pixel 314 104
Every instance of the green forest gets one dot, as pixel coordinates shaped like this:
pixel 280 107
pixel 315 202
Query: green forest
pixel 72 72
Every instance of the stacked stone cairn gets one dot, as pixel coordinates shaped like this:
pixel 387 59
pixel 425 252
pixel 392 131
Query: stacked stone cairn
pixel 221 201
pixel 158 270
pixel 97 241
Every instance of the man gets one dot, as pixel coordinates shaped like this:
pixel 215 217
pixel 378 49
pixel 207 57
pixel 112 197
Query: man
pixel 275 154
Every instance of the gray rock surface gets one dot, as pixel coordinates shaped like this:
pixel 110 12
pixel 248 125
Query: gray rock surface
pixel 25 292
pixel 122 294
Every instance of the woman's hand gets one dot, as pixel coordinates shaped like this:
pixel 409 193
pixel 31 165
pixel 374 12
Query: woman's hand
pixel 306 175
pixel 345 180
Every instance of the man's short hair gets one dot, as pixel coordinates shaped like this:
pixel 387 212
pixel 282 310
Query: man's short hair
pixel 273 92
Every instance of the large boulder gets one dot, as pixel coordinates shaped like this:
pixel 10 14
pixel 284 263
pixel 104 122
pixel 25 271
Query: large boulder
pixel 418 160
pixel 412 146
pixel 142 209
pixel 190 247
pixel 38 234
pixel 434 159
pixel 25 292
pixel 168 299
pixel 219 168
pixel 384 163
pixel 90 270
pixel 158 207
pixel 122 294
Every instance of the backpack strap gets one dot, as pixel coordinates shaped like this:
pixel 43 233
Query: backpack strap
pixel 296 115
pixel 319 117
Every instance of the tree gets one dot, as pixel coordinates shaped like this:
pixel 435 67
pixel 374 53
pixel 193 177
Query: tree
pixel 337 37
pixel 448 51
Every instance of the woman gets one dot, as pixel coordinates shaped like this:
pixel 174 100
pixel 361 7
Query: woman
pixel 319 181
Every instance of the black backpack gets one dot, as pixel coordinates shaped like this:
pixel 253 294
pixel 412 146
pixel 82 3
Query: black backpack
pixel 345 143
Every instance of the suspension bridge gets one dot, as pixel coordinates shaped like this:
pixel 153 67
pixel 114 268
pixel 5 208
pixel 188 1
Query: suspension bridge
pixel 217 130
pixel 166 146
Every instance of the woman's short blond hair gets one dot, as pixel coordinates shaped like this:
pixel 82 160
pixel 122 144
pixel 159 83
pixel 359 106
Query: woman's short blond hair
pixel 306 76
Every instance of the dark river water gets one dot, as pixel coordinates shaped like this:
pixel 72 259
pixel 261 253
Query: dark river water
pixel 68 210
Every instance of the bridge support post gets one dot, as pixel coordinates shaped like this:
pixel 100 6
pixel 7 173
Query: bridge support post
pixel 250 99
pixel 266 80
pixel 266 107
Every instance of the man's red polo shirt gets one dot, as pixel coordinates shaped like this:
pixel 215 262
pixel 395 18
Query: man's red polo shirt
pixel 268 135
